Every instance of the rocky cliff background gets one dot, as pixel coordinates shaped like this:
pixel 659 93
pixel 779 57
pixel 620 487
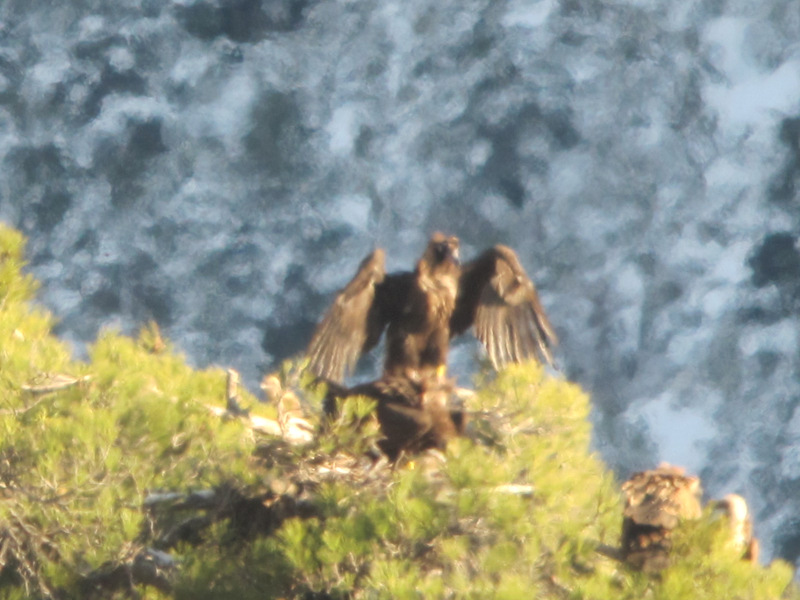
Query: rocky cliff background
pixel 221 166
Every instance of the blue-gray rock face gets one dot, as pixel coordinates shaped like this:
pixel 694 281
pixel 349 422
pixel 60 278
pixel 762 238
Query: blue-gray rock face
pixel 221 166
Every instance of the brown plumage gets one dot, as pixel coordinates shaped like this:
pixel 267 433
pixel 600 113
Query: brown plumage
pixel 656 501
pixel 414 414
pixel 422 310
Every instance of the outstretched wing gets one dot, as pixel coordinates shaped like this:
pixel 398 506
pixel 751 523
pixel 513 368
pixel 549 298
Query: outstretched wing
pixel 352 324
pixel 355 321
pixel 499 299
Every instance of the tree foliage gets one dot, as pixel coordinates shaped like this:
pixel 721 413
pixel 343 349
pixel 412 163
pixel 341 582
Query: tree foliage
pixel 117 480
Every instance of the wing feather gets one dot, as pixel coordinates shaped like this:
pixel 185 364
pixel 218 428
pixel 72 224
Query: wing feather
pixel 498 298
pixel 353 324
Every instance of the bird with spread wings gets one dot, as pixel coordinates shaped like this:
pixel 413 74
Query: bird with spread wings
pixel 423 309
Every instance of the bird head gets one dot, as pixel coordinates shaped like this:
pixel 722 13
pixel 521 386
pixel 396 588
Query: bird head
pixel 442 249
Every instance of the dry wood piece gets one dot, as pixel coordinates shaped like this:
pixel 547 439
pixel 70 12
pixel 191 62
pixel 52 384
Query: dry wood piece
pixel 291 425
pixel 53 382
pixel 740 526
pixel 294 426
pixel 146 566
pixel 232 393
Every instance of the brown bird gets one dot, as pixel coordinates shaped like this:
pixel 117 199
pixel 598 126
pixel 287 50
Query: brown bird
pixel 422 310
pixel 414 414
pixel 656 501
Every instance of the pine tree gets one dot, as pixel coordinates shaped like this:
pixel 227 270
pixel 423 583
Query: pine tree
pixel 126 475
